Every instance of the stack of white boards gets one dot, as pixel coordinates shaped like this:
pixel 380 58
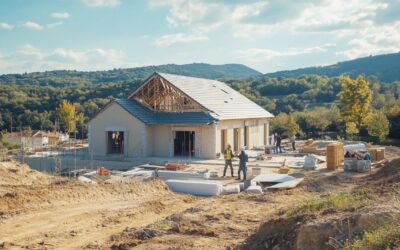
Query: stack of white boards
pixel 181 175
pixel 279 181
pixel 196 187
pixel 138 172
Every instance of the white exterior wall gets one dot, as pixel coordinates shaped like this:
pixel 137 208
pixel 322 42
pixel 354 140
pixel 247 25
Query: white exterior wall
pixel 115 118
pixel 163 140
pixel 256 131
pixel 157 140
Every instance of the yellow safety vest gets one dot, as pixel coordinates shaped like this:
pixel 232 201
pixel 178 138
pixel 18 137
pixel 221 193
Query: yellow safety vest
pixel 228 155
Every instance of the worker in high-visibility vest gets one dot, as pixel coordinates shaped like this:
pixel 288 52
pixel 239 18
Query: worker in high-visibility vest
pixel 228 155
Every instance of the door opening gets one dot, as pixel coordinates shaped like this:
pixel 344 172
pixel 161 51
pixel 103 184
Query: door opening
pixel 246 135
pixel 224 140
pixel 236 139
pixel 115 142
pixel 184 142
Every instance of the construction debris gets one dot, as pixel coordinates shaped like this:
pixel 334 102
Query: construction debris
pixel 175 166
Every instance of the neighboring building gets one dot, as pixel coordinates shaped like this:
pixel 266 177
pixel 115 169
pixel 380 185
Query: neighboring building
pixel 171 115
pixel 36 139
pixel 56 137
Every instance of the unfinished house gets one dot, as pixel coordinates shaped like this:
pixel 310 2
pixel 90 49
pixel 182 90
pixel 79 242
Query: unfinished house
pixel 172 115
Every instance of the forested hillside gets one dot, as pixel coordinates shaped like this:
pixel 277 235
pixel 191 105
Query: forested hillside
pixel 71 77
pixel 309 102
pixel 385 67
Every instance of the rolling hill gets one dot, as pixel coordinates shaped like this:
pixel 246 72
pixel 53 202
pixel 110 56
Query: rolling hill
pixel 385 67
pixel 71 77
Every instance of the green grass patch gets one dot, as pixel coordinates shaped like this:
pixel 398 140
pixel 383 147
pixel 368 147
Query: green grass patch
pixel 342 201
pixel 385 237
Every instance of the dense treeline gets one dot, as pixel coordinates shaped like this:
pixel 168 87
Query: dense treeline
pixel 310 101
pixel 35 106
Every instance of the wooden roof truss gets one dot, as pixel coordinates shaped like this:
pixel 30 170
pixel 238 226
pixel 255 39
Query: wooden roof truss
pixel 160 96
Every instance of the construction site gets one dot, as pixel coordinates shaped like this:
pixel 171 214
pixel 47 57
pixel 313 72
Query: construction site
pixel 312 198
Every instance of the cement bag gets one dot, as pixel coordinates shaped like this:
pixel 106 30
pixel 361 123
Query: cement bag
pixel 196 187
pixel 310 162
pixel 231 189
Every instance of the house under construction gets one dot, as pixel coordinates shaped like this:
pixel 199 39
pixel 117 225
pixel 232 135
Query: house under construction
pixel 172 115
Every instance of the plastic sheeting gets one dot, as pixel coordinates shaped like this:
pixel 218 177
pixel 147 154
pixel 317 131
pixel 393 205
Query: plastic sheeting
pixel 166 175
pixel 354 147
pixel 196 187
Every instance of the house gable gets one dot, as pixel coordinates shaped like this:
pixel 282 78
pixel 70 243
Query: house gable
pixel 161 96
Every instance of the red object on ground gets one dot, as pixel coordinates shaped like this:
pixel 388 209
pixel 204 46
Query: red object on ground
pixel 103 171
pixel 175 166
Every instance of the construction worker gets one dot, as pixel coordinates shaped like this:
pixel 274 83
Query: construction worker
pixel 293 141
pixel 243 158
pixel 228 155
pixel 278 139
pixel 367 156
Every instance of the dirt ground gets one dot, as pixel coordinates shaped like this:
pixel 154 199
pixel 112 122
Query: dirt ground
pixel 38 211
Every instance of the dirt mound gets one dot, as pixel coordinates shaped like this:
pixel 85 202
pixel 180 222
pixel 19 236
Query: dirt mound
pixel 277 233
pixel 387 175
pixel 22 188
pixel 13 173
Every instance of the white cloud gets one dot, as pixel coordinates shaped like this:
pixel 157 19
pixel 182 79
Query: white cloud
pixel 32 25
pixel 373 40
pixel 257 54
pixel 6 26
pixel 101 3
pixel 29 58
pixel 53 25
pixel 60 15
pixel 168 40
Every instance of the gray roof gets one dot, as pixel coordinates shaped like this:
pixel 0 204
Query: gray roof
pixel 150 117
pixel 222 101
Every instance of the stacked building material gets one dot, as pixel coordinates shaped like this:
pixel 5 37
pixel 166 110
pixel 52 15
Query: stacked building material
pixel 165 175
pixel 196 187
pixel 377 153
pixel 334 155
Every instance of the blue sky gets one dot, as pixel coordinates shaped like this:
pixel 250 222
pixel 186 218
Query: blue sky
pixel 39 35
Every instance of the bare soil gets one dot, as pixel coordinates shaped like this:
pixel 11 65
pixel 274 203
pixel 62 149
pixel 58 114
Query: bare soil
pixel 38 211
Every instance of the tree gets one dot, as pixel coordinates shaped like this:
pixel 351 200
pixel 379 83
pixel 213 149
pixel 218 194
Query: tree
pixel 378 125
pixel 67 114
pixel 285 124
pixel 355 97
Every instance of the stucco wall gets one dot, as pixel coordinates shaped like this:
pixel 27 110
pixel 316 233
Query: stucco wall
pixel 162 140
pixel 256 131
pixel 115 118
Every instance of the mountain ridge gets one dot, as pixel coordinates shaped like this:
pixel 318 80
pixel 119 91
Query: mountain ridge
pixel 65 77
pixel 385 67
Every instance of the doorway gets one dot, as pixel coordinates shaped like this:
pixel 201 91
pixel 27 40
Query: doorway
pixel 236 139
pixel 224 139
pixel 184 142
pixel 115 142
pixel 246 136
